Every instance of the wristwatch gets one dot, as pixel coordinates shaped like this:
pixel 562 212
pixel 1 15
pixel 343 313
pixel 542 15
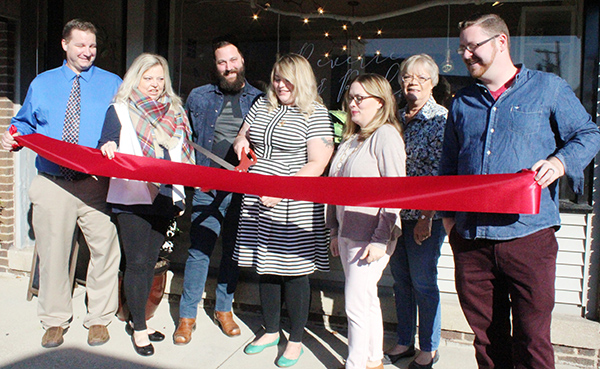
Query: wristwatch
pixel 423 216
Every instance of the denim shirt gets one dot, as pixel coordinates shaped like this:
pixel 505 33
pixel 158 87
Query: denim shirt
pixel 538 116
pixel 204 105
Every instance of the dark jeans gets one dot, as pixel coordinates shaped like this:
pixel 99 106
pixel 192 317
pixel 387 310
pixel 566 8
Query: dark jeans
pixel 495 277
pixel 296 290
pixel 141 238
pixel 414 268
pixel 213 213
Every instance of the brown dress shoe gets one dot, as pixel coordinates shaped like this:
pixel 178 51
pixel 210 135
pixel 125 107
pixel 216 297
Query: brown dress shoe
pixel 228 326
pixel 98 335
pixel 183 334
pixel 53 337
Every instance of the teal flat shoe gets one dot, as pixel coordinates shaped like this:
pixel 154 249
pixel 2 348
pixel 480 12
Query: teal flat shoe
pixel 284 362
pixel 256 349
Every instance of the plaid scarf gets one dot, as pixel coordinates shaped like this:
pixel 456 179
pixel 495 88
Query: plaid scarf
pixel 169 126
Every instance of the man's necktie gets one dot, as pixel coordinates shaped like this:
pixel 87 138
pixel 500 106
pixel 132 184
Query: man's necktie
pixel 71 126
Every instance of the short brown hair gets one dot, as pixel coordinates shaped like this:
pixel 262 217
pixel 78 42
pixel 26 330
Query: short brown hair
pixel 491 24
pixel 225 40
pixel 79 24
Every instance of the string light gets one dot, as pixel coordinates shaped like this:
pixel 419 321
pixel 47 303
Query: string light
pixel 305 20
pixel 326 34
pixel 378 52
pixel 255 16
pixel 359 38
pixel 327 55
pixel 379 32
pixel 345 27
pixel 359 57
pixel 417 7
pixel 344 47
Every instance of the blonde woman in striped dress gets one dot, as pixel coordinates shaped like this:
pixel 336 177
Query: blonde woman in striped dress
pixel 285 240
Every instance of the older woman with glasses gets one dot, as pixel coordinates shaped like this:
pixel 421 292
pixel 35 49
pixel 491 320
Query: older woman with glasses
pixel 364 238
pixel 414 263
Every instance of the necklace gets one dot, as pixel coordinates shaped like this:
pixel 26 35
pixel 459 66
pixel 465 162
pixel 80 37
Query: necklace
pixel 347 153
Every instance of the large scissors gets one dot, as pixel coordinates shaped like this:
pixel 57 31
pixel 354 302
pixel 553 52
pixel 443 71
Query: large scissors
pixel 246 161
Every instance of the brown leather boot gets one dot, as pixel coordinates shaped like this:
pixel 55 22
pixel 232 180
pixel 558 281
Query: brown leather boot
pixel 53 337
pixel 183 334
pixel 228 326
pixel 98 335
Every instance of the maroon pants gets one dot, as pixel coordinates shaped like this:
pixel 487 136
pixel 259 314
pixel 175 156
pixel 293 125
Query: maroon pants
pixel 495 277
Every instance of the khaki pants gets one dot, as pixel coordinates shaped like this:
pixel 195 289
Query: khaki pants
pixel 58 207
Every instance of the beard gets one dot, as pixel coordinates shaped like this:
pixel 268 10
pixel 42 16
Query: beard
pixel 477 67
pixel 234 86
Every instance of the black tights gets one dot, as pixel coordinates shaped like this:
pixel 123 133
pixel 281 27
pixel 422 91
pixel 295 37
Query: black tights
pixel 296 290
pixel 141 238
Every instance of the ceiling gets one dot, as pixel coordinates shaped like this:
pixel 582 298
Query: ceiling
pixel 396 18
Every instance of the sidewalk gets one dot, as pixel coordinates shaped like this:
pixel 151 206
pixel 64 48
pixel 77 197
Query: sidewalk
pixel 21 333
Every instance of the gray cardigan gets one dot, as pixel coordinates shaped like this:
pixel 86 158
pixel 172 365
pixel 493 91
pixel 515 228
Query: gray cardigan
pixel 380 155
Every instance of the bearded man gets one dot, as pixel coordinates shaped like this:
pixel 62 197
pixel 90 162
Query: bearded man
pixel 217 112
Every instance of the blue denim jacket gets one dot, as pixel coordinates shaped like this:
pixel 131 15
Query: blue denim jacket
pixel 204 105
pixel 537 117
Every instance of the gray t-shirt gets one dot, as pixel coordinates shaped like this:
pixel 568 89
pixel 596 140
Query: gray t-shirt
pixel 226 128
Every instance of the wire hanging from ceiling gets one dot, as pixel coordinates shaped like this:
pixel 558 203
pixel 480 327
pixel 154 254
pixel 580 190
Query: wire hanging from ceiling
pixel 448 66
pixel 266 6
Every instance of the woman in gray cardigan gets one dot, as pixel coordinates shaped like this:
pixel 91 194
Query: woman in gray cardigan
pixel 364 238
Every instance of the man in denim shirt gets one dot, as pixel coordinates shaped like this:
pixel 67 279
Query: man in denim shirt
pixel 216 112
pixel 512 118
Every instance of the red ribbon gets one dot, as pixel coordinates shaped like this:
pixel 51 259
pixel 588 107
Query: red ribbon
pixel 516 193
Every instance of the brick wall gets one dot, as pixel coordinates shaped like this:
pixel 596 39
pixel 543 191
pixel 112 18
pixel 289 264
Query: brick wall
pixel 7 88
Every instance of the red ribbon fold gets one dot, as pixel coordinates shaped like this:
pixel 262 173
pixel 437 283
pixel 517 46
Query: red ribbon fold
pixel 516 193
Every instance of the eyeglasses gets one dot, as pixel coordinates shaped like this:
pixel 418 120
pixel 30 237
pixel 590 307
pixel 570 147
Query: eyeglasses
pixel 358 99
pixel 420 79
pixel 472 48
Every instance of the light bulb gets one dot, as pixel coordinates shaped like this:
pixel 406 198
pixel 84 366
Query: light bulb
pixel 448 65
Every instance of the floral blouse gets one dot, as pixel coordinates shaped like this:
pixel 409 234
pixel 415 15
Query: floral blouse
pixel 423 137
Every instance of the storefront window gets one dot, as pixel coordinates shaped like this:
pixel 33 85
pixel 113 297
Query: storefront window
pixel 544 36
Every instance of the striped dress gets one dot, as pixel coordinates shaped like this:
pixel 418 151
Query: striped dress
pixel 289 239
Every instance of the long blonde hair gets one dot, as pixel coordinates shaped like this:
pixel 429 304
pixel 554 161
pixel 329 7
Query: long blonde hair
pixel 297 70
pixel 134 74
pixel 378 87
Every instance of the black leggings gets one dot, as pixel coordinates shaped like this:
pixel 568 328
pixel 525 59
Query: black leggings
pixel 296 290
pixel 141 238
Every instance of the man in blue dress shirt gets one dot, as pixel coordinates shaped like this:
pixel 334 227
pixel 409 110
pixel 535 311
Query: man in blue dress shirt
pixel 62 201
pixel 511 118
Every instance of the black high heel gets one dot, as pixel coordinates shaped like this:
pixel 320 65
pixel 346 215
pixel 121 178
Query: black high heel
pixel 156 336
pixel 147 350
pixel 392 358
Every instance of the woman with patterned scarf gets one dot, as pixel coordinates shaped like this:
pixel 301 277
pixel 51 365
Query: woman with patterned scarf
pixel 146 119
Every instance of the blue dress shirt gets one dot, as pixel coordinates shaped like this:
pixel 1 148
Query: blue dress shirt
pixel 44 107
pixel 537 117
